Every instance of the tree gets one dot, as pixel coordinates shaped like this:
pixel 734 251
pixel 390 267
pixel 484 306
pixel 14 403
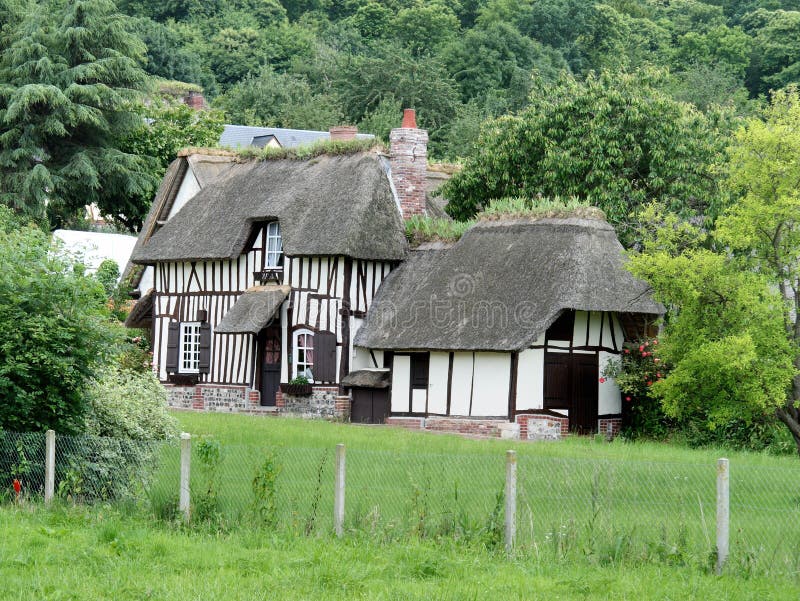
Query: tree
pixel 56 332
pixel 614 141
pixel 763 227
pixel 279 100
pixel 163 129
pixel 68 80
pixel 722 342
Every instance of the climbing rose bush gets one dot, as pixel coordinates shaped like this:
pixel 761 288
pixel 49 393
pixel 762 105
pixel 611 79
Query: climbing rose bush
pixel 638 368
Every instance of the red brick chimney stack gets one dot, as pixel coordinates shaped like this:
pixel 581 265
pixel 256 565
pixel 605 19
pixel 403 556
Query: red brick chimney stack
pixel 195 101
pixel 343 133
pixel 408 147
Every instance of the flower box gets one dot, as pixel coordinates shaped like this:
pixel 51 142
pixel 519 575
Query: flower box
pixel 296 389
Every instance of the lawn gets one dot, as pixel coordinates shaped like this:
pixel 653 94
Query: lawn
pixel 85 554
pixel 597 520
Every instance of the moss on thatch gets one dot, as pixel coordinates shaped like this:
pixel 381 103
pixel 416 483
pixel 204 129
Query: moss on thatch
pixel 539 208
pixel 310 151
pixel 420 230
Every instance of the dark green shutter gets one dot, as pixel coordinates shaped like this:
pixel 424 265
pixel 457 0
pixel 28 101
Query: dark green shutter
pixel 173 340
pixel 324 357
pixel 204 363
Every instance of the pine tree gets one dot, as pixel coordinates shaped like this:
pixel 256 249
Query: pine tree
pixel 69 78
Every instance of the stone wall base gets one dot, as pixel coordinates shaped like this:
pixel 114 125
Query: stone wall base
pixel 484 428
pixel 542 427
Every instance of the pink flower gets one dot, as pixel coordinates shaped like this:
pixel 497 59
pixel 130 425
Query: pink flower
pixel 602 380
pixel 655 341
pixel 627 398
pixel 649 382
pixel 17 486
pixel 641 348
pixel 626 351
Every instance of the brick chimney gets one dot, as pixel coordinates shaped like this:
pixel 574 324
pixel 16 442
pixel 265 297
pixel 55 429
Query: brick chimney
pixel 408 148
pixel 343 133
pixel 195 100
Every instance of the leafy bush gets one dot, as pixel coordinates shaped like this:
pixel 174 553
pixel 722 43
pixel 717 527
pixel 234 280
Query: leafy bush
pixel 420 229
pixel 637 370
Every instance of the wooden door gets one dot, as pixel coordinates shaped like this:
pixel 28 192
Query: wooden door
pixel 370 405
pixel 270 363
pixel 570 382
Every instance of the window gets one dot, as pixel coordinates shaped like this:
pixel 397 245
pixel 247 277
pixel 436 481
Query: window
pixel 274 245
pixel 190 348
pixel 304 354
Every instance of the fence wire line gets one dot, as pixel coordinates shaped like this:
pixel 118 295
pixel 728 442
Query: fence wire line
pixel 597 507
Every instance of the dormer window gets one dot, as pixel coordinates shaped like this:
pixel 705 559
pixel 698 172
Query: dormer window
pixel 274 245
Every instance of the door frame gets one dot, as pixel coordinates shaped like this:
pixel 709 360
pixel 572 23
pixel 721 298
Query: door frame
pixel 261 339
pixel 571 402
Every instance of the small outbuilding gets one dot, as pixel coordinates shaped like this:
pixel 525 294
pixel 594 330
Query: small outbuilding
pixel 515 322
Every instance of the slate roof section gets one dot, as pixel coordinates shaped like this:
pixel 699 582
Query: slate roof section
pixel 253 310
pixel 328 205
pixel 241 136
pixel 502 285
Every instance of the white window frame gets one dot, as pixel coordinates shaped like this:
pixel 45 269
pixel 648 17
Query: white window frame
pixel 189 348
pixel 272 258
pixel 296 353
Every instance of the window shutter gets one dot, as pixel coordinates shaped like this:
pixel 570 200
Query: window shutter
pixel 324 357
pixel 173 340
pixel 204 362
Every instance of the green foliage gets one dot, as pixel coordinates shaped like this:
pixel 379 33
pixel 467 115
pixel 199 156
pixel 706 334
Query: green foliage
pixel 539 207
pixel 108 274
pixel 302 380
pixel 265 506
pixel 635 373
pixel 302 153
pixel 614 141
pixel 57 332
pixel 420 229
pixel 130 405
pixel 68 77
pixel 205 498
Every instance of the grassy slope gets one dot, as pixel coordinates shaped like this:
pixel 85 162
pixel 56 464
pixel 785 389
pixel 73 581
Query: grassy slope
pixel 97 554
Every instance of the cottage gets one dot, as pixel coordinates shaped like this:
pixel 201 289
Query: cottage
pixel 260 271
pixel 513 324
pixel 257 272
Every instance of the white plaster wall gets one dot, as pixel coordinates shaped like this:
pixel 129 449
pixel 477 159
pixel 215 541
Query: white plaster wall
pixel 491 384
pixel 530 379
pixel 401 382
pixel 189 187
pixel 437 382
pixel 462 383
pixel 419 400
pixel 609 399
pixel 619 333
pixel 594 328
pixel 581 325
pixel 361 359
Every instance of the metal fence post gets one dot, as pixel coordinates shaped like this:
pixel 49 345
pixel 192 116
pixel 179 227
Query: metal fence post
pixel 723 512
pixel 49 466
pixel 339 484
pixel 186 462
pixel 511 498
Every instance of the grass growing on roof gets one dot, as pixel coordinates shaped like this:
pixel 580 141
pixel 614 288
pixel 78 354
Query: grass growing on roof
pixel 421 229
pixel 541 208
pixel 309 151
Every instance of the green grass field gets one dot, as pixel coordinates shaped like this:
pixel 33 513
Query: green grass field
pixel 597 520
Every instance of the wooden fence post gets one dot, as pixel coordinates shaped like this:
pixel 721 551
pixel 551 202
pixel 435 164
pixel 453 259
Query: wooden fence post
pixel 186 464
pixel 339 484
pixel 511 499
pixel 723 512
pixel 49 466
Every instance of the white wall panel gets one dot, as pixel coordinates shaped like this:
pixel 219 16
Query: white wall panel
pixel 608 393
pixel 462 383
pixel 491 384
pixel 419 400
pixel 437 382
pixel 401 383
pixel 530 379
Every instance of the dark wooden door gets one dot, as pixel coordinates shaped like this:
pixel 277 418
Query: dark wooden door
pixel 270 363
pixel 570 382
pixel 370 405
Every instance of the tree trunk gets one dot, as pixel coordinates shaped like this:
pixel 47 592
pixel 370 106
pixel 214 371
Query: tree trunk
pixel 788 414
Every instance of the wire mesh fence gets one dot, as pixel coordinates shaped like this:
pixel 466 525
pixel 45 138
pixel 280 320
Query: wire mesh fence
pixel 606 509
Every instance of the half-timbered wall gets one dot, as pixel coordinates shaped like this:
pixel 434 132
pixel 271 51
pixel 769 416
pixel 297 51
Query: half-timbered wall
pixel 484 384
pixel 323 288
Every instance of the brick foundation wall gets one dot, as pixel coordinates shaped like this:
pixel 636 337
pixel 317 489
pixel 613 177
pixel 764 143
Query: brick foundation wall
pixel 341 407
pixel 411 423
pixel 609 426
pixel 542 427
pixel 485 428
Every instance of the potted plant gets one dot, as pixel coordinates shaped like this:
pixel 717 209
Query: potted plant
pixel 299 386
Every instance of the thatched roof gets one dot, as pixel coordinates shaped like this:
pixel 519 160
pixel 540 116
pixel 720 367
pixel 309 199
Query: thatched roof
pixel 368 378
pixel 141 316
pixel 502 285
pixel 253 310
pixel 327 205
